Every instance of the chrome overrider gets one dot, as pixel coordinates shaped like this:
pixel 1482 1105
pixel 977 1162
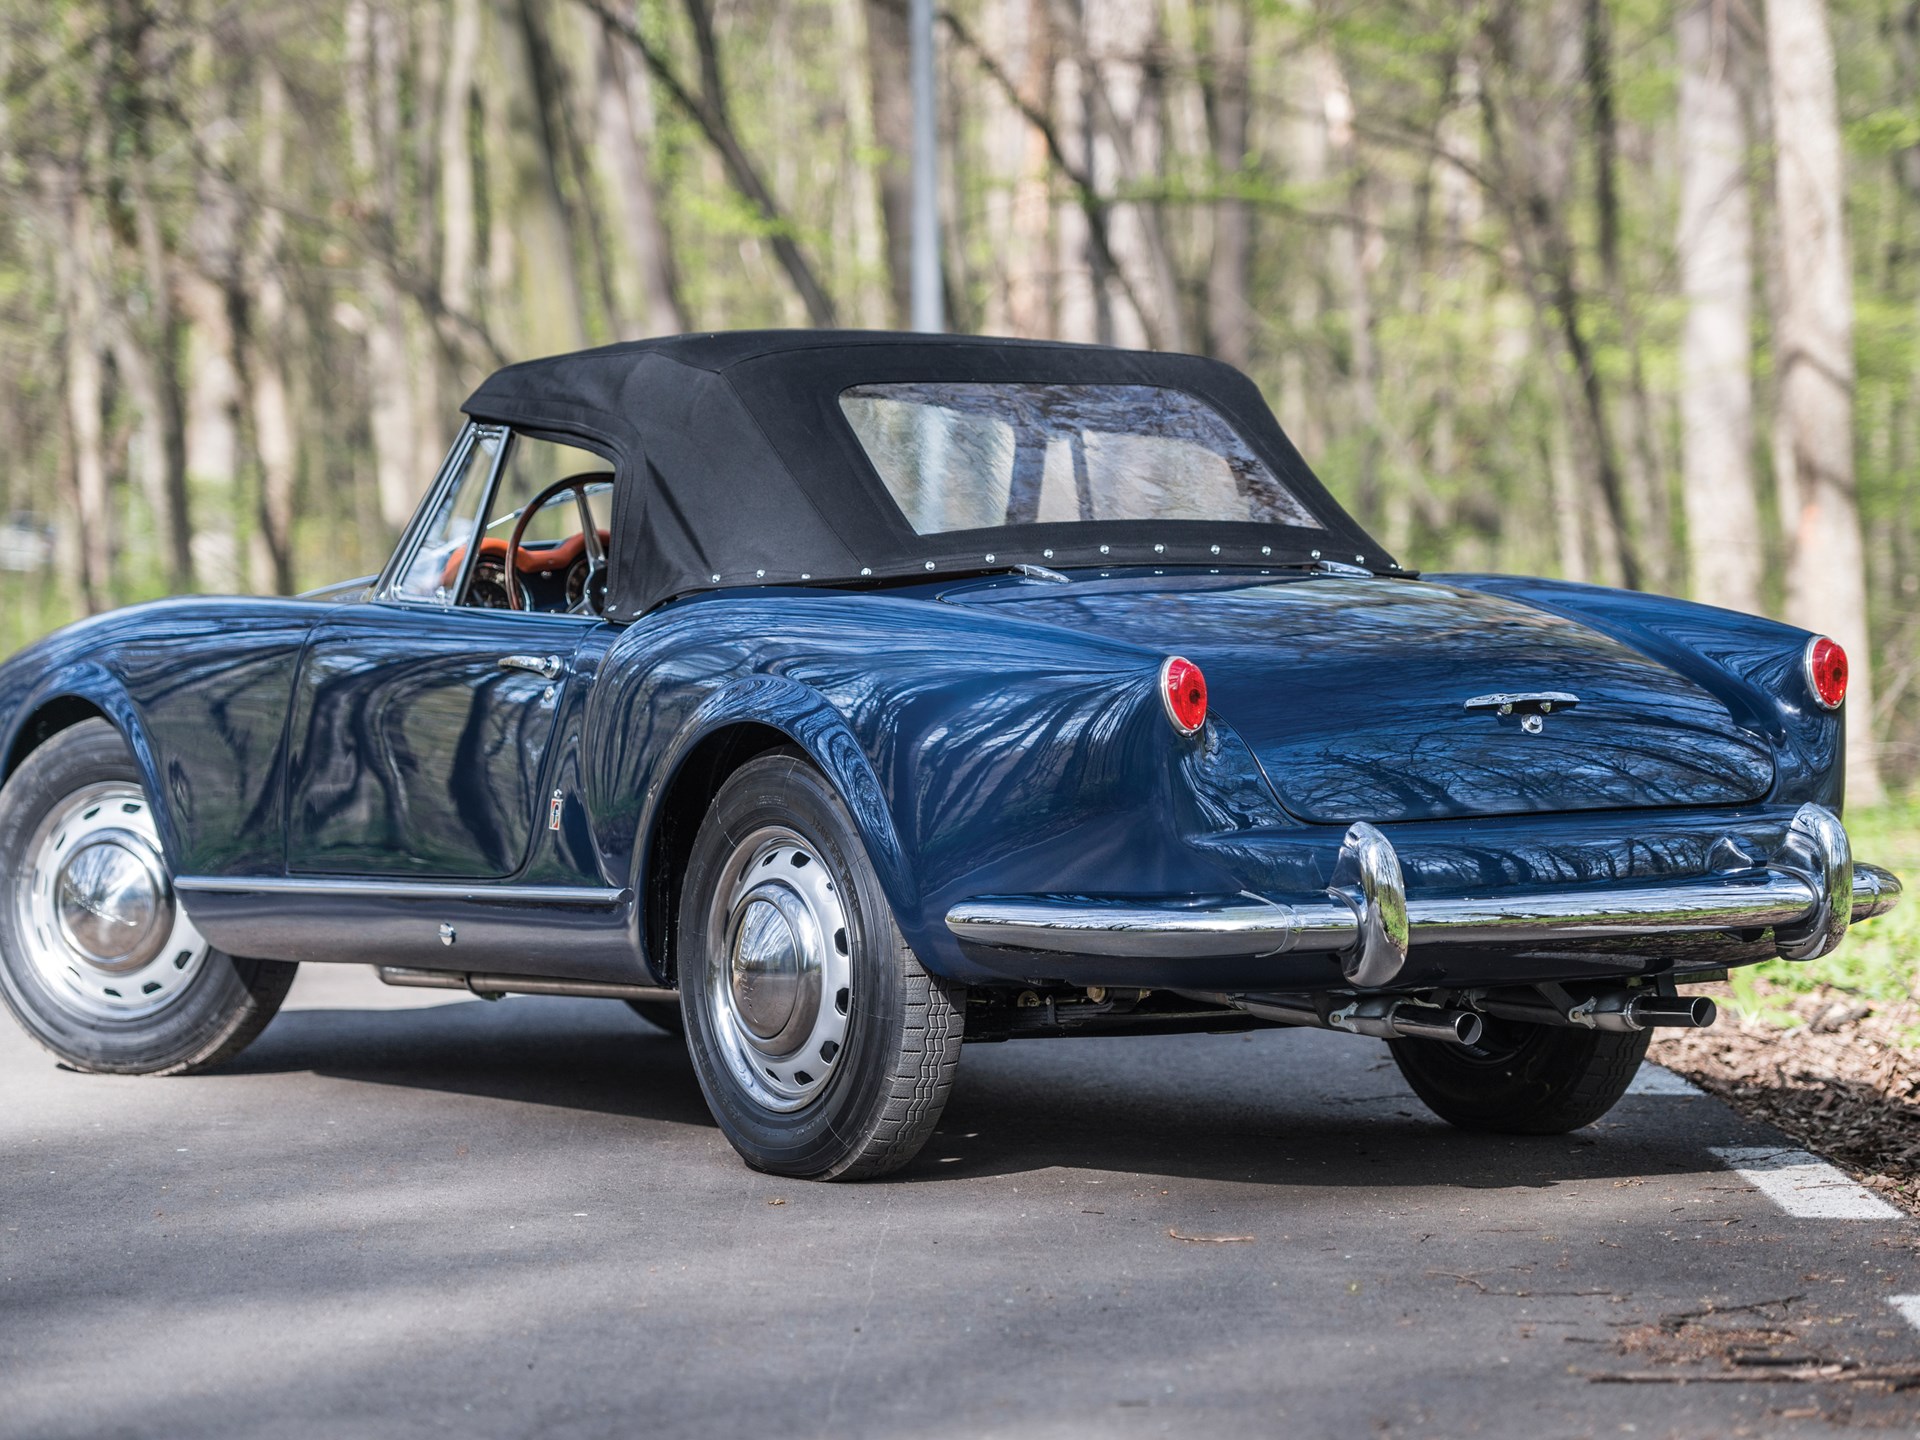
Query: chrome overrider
pixel 1807 895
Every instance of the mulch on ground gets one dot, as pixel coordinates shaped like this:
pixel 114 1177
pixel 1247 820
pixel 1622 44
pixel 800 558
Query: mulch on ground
pixel 1843 1078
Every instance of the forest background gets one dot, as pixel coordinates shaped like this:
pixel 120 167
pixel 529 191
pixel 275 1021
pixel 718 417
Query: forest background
pixel 1619 290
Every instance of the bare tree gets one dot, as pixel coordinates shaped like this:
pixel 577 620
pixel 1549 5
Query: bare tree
pixel 707 104
pixel 1229 317
pixel 887 49
pixel 1813 340
pixel 269 390
pixel 77 264
pixel 624 129
pixel 1715 244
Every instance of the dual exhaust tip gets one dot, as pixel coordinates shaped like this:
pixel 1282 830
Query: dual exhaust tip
pixel 1388 1018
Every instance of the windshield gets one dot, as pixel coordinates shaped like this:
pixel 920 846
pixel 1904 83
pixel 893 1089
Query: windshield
pixel 564 522
pixel 973 456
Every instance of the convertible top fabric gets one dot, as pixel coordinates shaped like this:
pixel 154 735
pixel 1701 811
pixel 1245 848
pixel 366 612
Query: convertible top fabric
pixel 735 465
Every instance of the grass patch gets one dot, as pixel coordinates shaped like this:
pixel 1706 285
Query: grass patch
pixel 1879 959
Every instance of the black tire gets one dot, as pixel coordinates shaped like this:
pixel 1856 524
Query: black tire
pixel 220 1004
pixel 880 1089
pixel 661 1014
pixel 1523 1079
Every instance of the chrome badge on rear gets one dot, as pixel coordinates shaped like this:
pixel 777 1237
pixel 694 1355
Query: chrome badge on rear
pixel 1532 706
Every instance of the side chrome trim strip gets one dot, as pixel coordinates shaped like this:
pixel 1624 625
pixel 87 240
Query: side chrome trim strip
pixel 477 891
pixel 493 986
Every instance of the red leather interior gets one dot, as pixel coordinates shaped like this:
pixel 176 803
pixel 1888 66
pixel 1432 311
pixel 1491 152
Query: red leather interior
pixel 532 562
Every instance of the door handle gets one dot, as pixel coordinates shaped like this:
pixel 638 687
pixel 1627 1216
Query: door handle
pixel 547 667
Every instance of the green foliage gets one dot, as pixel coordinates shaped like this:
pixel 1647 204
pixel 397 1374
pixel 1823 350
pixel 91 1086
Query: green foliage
pixel 1880 958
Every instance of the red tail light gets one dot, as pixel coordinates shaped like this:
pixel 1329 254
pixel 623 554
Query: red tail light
pixel 1826 665
pixel 1183 689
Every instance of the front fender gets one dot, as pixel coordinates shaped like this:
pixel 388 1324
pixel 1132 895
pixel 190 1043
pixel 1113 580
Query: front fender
pixel 26 691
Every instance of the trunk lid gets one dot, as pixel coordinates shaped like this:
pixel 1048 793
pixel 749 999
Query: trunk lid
pixel 1353 694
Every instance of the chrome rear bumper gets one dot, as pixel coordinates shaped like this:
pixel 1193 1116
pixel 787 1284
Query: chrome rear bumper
pixel 1807 895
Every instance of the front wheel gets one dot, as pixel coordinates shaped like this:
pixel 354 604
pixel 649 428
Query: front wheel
pixel 1523 1079
pixel 824 1048
pixel 98 961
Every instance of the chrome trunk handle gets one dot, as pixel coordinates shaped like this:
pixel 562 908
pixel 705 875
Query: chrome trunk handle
pixel 547 667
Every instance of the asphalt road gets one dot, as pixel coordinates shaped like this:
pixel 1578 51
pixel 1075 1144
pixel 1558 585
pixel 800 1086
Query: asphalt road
pixel 401 1214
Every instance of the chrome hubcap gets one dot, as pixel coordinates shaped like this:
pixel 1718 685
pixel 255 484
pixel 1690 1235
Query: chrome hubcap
pixel 96 908
pixel 112 900
pixel 779 977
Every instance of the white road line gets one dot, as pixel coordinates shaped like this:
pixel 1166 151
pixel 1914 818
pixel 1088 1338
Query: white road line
pixel 1657 1080
pixel 1909 1308
pixel 1804 1186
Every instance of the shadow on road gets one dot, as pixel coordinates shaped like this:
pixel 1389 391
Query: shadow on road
pixel 591 1056
pixel 1189 1107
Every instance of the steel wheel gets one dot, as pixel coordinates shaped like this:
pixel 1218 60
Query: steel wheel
pixel 98 959
pixel 96 911
pixel 780 980
pixel 823 1047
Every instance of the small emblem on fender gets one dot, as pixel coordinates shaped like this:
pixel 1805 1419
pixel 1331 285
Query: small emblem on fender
pixel 554 807
pixel 1532 706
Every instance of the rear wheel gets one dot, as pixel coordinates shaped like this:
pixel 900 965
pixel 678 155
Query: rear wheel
pixel 98 960
pixel 823 1047
pixel 1523 1079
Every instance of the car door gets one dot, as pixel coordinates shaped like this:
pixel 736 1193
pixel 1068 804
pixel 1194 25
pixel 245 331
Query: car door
pixel 422 721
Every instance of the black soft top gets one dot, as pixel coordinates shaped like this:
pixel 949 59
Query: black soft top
pixel 735 465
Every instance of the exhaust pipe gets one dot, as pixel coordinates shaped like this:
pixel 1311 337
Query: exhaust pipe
pixel 1384 1018
pixel 1616 1010
pixel 1646 1012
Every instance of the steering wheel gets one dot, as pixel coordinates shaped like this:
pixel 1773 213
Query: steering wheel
pixel 589 533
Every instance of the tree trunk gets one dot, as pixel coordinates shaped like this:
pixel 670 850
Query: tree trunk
pixel 372 76
pixel 1726 558
pixel 1641 452
pixel 78 263
pixel 274 437
pixel 459 217
pixel 203 288
pixel 1536 55
pixel 887 55
pixel 1813 339
pixel 1302 398
pixel 173 510
pixel 1229 313
pixel 565 116
pixel 1124 113
pixel 545 279
pixel 624 126
pixel 1353 261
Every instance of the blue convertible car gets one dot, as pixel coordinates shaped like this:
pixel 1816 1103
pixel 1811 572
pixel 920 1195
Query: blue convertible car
pixel 843 697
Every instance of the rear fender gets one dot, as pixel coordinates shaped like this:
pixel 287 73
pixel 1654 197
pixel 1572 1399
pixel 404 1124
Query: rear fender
pixel 1044 781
